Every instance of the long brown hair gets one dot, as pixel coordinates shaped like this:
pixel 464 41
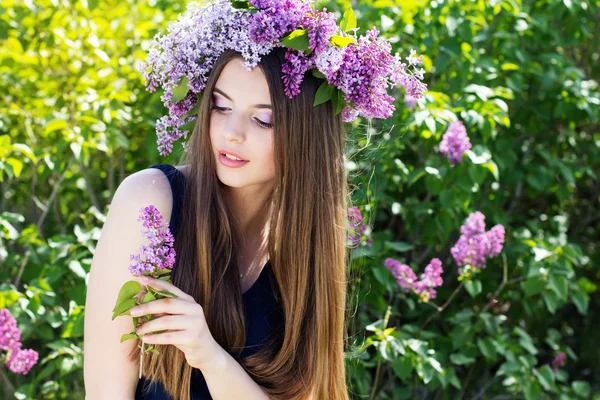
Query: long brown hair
pixel 306 245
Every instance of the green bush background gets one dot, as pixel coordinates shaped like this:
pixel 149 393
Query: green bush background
pixel 523 77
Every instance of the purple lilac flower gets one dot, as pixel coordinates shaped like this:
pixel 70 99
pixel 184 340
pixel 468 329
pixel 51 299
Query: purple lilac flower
pixel 559 361
pixel 357 228
pixel 475 245
pixel 328 61
pixel 21 361
pixel 321 26
pixel 159 253
pixel 404 275
pixel 293 71
pixel 349 114
pixel 474 224
pixel 407 279
pixel 10 334
pixel 455 142
pixel 410 101
pixel 431 278
pixel 402 76
pixel 276 17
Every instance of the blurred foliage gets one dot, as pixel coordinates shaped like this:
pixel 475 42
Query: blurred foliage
pixel 522 76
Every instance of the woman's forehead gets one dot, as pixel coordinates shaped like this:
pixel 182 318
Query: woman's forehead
pixel 239 84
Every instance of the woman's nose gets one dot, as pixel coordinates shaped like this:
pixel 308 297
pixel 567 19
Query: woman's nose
pixel 235 127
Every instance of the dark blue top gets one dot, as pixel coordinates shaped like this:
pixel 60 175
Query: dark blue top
pixel 262 310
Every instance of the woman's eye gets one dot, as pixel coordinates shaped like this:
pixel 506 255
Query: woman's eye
pixel 263 124
pixel 219 109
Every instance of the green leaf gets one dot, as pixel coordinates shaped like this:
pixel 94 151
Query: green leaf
pixel 181 90
pixel 341 41
pixel 532 391
pixel 582 388
pixel 160 272
pixel 546 377
pixel 480 154
pixel 493 168
pixel 124 307
pixel 461 359
pixel 240 5
pixel 533 286
pixel 77 269
pixel 337 98
pixel 473 287
pixel 148 297
pixel 188 126
pixel 551 301
pixel 582 301
pixel 348 20
pixel 55 125
pixel 399 246
pixel 26 150
pixel 297 40
pixel 128 336
pixel 323 93
pixel 165 293
pixel 316 73
pixel 128 291
pixel 559 285
pixel 586 285
pixel 487 348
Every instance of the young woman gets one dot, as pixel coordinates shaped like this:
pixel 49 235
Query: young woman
pixel 261 246
pixel 257 207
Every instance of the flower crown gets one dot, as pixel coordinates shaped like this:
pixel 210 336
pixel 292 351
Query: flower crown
pixel 357 70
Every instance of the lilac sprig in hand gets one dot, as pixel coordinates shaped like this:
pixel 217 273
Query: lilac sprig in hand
pixel 155 260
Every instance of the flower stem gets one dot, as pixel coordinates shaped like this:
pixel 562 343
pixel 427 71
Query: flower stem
pixel 443 307
pixel 141 359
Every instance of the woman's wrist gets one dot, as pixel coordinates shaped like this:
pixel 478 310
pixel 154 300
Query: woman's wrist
pixel 216 363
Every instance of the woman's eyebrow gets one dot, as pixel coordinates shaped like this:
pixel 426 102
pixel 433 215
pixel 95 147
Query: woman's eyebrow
pixel 229 98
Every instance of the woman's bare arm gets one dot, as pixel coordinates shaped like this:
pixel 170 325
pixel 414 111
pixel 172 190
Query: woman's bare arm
pixel 107 372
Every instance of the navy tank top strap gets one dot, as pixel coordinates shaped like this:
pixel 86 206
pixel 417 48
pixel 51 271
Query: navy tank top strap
pixel 177 181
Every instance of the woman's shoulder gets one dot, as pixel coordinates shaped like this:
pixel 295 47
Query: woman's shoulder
pixel 149 186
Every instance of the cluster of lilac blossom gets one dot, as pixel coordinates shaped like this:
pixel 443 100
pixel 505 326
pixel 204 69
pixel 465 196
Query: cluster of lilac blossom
pixel 559 361
pixel 357 228
pixel 363 68
pixel 407 279
pixel 159 253
pixel 455 142
pixel 475 244
pixel 19 361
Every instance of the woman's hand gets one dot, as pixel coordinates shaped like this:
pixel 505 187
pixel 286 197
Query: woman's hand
pixel 183 319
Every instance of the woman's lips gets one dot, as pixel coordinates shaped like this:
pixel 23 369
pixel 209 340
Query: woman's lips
pixel 231 163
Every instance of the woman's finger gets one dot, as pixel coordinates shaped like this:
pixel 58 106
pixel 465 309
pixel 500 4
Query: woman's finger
pixel 168 322
pixel 171 337
pixel 159 284
pixel 166 305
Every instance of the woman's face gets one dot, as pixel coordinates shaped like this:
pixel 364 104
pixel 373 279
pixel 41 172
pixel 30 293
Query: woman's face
pixel 240 122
